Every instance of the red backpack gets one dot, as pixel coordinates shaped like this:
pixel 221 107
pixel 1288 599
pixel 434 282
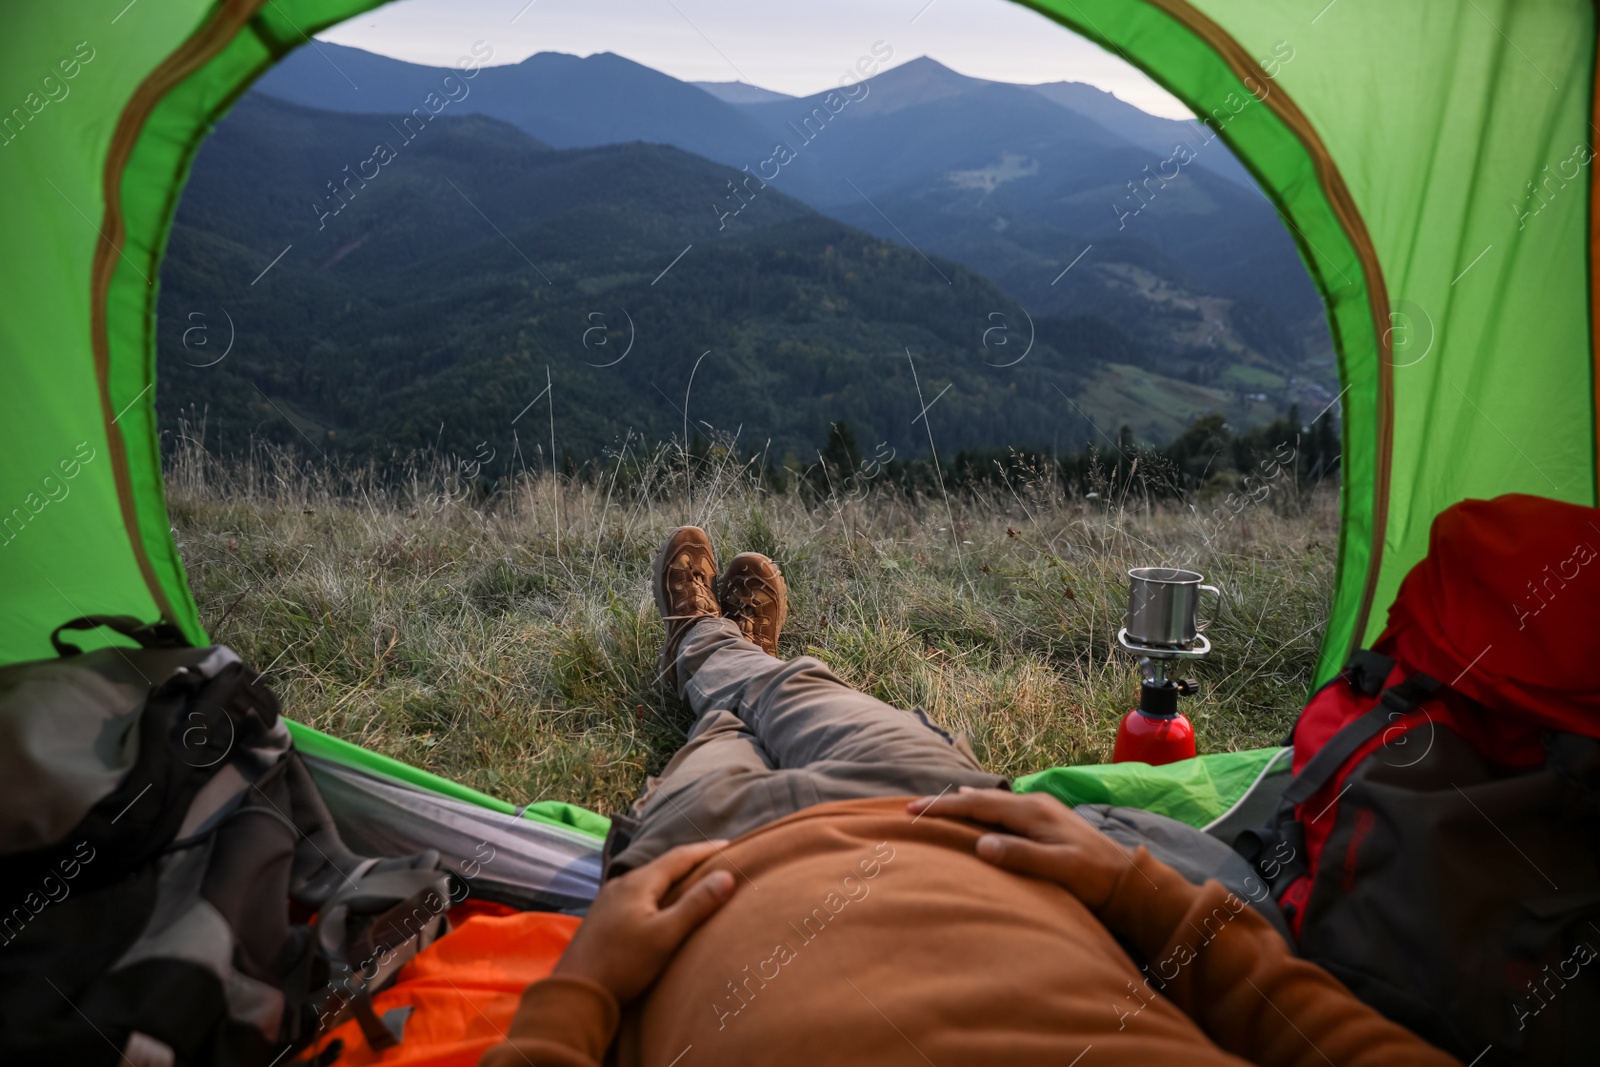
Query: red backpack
pixel 1438 848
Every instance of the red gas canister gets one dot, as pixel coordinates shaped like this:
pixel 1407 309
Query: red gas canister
pixel 1153 739
pixel 1156 732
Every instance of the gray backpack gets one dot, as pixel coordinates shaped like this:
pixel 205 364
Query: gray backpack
pixel 173 889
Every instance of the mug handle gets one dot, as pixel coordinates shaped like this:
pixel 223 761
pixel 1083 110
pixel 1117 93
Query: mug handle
pixel 1200 628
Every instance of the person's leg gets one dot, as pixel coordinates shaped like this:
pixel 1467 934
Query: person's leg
pixel 837 744
pixel 714 786
pixel 704 792
pixel 774 736
pixel 806 718
pixel 721 784
pixel 718 744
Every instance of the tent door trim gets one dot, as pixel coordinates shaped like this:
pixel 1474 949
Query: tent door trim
pixel 189 57
pixel 1344 207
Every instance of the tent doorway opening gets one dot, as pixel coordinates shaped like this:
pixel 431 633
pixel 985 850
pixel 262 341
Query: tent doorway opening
pixel 1427 280
pixel 471 280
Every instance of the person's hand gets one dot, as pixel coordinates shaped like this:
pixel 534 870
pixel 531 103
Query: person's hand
pixel 1056 843
pixel 625 941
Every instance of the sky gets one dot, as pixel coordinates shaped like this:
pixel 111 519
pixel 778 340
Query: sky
pixel 797 46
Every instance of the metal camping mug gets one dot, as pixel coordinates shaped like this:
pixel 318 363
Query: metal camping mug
pixel 1161 606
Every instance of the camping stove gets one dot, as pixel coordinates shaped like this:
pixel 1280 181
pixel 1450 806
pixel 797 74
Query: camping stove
pixel 1160 627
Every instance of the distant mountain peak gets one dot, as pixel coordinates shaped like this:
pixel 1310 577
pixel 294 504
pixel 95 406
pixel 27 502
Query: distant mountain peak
pixel 922 80
pixel 927 67
pixel 549 57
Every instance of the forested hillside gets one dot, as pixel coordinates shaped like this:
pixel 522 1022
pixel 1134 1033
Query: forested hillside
pixel 1071 200
pixel 461 285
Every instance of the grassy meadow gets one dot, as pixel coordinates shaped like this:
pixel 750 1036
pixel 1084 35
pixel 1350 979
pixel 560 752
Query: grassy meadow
pixel 507 639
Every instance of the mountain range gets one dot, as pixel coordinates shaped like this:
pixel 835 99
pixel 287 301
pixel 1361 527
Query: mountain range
pixel 1015 181
pixel 561 205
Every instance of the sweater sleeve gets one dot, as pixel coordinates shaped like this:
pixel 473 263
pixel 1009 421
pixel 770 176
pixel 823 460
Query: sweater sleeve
pixel 562 1022
pixel 1230 971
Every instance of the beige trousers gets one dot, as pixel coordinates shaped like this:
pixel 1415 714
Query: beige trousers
pixel 775 736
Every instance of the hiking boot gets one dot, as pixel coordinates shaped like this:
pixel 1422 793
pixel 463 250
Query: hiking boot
pixel 685 580
pixel 755 597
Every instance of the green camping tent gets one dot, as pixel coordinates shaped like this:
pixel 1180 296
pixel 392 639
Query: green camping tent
pixel 1430 157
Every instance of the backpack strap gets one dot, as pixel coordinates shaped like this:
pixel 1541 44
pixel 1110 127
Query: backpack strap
pixel 1366 672
pixel 1393 702
pixel 158 634
pixel 382 917
pixel 1265 848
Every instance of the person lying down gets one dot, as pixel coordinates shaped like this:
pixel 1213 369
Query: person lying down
pixel 820 878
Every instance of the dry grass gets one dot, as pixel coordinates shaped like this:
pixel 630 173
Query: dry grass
pixel 509 640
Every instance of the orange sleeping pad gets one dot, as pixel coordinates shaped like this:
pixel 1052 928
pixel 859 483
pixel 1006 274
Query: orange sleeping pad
pixel 462 991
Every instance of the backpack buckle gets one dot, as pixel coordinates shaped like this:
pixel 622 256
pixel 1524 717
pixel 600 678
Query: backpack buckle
pixel 1367 671
pixel 1277 853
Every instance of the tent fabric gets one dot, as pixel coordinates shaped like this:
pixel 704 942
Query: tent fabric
pixel 498 855
pixel 1198 792
pixel 314 744
pixel 1432 158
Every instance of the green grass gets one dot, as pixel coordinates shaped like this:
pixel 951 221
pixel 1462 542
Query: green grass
pixel 508 640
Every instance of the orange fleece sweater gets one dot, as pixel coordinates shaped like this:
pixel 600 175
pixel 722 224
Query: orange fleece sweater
pixel 858 934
